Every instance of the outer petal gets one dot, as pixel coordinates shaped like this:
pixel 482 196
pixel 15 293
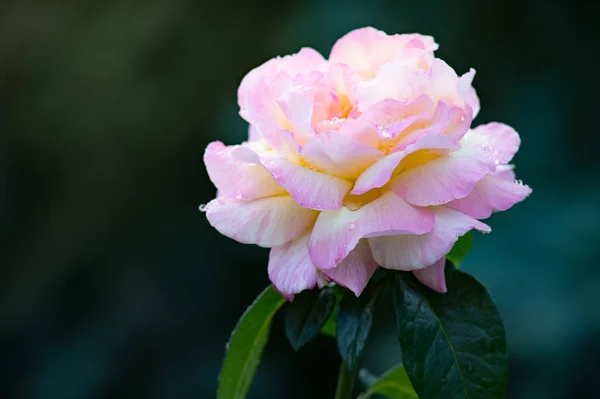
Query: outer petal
pixel 355 271
pixel 378 174
pixel 267 222
pixel 336 233
pixel 468 92
pixel 261 104
pixel 443 83
pixel 412 252
pixel 253 133
pixel 290 268
pixel 498 141
pixel 442 180
pixel 281 104
pixel 506 172
pixel 309 188
pixel 433 276
pixel 235 177
pixel 492 193
pixel 364 49
pixel 303 62
pixel 339 155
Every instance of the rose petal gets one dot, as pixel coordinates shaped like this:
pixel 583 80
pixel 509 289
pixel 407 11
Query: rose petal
pixel 297 109
pixel 339 155
pixel 336 233
pixel 393 80
pixel 467 92
pixel 437 124
pixel 443 83
pixel 411 252
pixel 303 62
pixel 237 178
pixel 363 49
pixel 433 276
pixel 290 269
pixel 378 174
pixel 261 104
pixel 355 271
pixel 267 222
pixel 460 121
pixel 506 172
pixel 498 141
pixel 492 193
pixel 309 188
pixel 253 133
pixel 441 180
pixel 393 115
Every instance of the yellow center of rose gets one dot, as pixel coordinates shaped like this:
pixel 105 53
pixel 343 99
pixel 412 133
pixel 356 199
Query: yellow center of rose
pixel 345 106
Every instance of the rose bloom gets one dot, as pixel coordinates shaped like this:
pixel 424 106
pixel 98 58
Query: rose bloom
pixel 363 160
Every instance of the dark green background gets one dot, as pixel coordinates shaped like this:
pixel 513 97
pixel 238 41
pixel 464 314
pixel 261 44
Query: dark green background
pixel 113 285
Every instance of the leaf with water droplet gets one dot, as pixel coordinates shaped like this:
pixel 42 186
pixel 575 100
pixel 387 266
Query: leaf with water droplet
pixel 454 344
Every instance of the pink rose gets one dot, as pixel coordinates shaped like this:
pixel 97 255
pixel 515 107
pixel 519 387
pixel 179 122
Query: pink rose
pixel 361 160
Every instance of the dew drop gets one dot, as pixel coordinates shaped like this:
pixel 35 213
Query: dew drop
pixel 351 226
pixel 333 121
pixel 238 196
pixel 202 207
pixel 386 134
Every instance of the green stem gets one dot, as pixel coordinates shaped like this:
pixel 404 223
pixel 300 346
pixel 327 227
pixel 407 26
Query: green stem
pixel 345 382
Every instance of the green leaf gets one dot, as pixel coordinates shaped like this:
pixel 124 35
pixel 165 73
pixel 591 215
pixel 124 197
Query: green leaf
pixel 246 345
pixel 330 327
pixel 394 384
pixel 306 315
pixel 460 249
pixel 354 322
pixel 453 344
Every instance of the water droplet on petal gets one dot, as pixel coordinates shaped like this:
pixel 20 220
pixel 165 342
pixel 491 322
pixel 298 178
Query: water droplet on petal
pixel 386 134
pixel 332 121
pixel 238 196
pixel 351 226
pixel 202 207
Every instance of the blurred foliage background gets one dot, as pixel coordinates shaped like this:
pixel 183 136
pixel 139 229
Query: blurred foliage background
pixel 113 285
